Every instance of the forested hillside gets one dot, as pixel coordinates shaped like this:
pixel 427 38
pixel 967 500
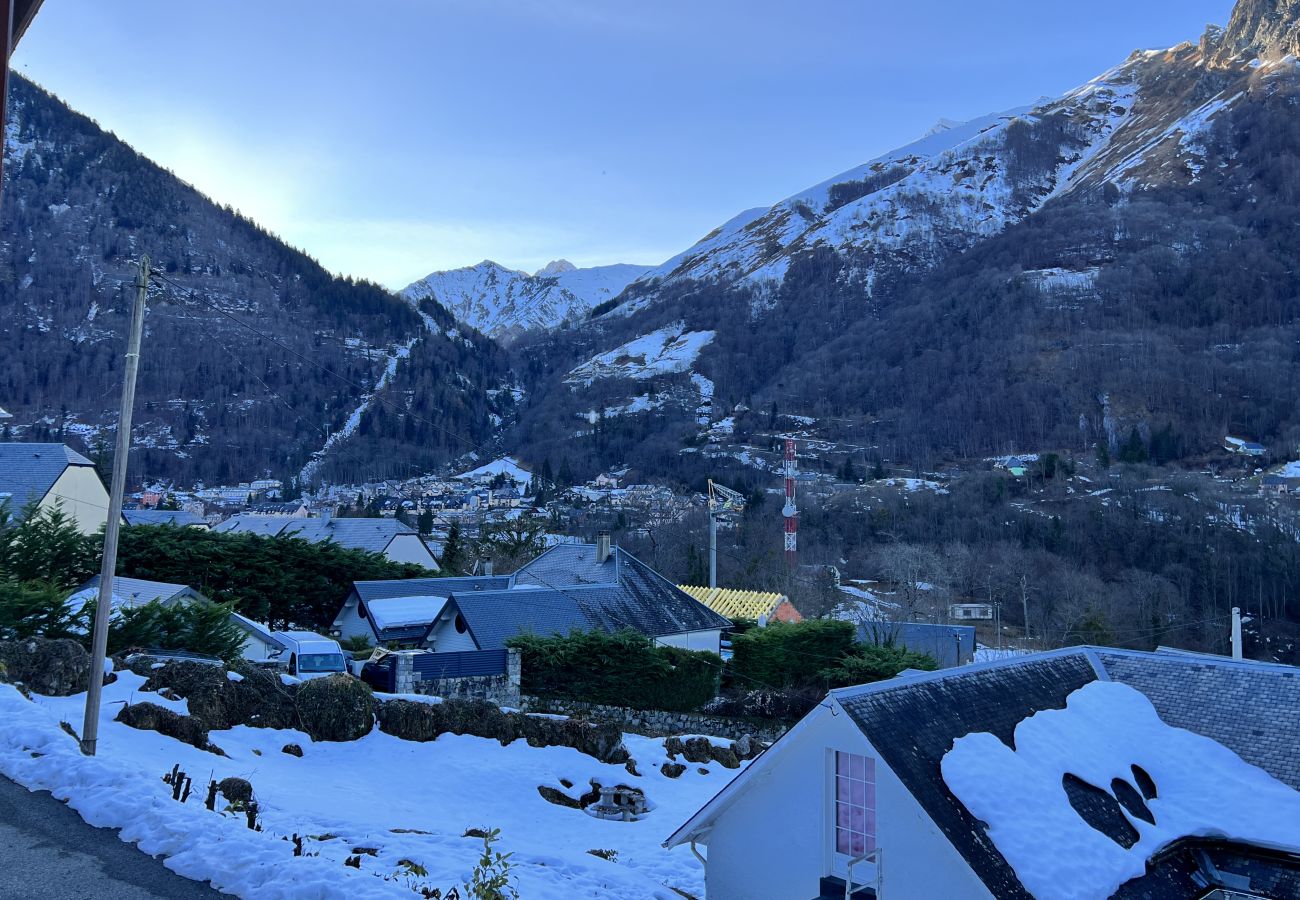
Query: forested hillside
pixel 1141 275
pixel 217 401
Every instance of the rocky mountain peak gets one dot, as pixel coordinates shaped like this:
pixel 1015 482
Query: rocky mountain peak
pixel 555 267
pixel 1262 28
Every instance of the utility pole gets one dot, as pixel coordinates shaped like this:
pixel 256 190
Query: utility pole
pixel 1024 602
pixel 1236 633
pixel 99 647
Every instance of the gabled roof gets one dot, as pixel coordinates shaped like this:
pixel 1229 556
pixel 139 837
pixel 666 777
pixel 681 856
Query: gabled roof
pixel 257 629
pixel 403 618
pixel 138 591
pixel 29 471
pixel 495 617
pixel 372 535
pixel 912 721
pixel 161 517
pixel 565 565
pixel 639 598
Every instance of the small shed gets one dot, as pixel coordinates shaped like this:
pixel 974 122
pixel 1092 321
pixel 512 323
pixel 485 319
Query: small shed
pixel 970 612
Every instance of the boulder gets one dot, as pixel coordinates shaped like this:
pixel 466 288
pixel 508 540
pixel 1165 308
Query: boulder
pixel 236 790
pixel 697 750
pixel 56 668
pixel 152 717
pixel 292 750
pixel 336 708
pixel 672 770
pixel 259 700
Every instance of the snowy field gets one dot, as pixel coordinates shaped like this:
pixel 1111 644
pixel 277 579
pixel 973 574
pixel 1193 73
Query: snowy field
pixel 408 804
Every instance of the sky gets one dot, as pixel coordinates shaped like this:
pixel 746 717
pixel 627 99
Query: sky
pixel 422 135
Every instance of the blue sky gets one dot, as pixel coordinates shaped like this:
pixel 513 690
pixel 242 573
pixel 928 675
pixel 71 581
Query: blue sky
pixel 430 134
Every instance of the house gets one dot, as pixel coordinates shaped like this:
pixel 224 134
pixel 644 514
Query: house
pixel 387 537
pixel 1243 447
pixel 968 612
pixel 950 645
pixel 761 606
pixel 128 593
pixel 387 612
pixel 179 518
pixel 52 475
pixel 295 509
pixel 570 586
pixel 1084 772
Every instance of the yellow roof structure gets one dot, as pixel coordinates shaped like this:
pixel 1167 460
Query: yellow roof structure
pixel 736 604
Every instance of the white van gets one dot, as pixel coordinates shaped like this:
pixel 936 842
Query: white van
pixel 309 655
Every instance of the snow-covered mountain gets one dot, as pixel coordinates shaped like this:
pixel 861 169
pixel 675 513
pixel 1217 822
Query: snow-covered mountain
pixel 503 302
pixel 1134 126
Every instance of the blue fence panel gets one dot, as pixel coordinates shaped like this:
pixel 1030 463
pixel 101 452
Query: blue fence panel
pixel 433 666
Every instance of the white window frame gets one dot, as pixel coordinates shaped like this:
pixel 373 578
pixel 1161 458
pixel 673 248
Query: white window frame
pixel 863 872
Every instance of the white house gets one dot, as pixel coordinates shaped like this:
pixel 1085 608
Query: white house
pixel 1080 773
pixel 53 475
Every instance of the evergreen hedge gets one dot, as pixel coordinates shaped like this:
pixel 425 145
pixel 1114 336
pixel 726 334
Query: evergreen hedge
pixel 791 655
pixel 622 669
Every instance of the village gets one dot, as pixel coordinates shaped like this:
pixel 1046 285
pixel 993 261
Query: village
pixel 928 532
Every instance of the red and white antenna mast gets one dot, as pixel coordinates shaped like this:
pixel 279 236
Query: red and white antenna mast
pixel 791 510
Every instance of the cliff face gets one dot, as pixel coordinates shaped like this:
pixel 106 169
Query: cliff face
pixel 1262 28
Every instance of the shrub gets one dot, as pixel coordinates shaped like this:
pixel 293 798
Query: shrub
pixel 53 668
pixel 791 655
pixel 876 662
pixel 198 627
pixel 622 669
pixel 336 708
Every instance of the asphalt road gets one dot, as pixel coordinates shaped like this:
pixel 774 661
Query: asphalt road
pixel 47 851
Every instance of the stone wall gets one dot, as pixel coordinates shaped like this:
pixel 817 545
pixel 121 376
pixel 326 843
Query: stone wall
pixel 655 722
pixel 502 690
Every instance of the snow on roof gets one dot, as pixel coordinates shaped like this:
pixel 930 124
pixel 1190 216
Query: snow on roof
pixel 401 612
pixel 1202 789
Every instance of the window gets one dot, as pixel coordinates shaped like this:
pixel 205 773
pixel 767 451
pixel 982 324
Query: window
pixel 855 804
pixel 461 627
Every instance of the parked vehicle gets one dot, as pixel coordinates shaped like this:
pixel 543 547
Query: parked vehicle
pixel 380 673
pixel 310 655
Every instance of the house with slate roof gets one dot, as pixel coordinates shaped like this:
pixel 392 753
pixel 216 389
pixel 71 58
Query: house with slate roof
pixel 52 475
pixel 388 537
pixel 570 586
pixel 1078 773
pixel 259 641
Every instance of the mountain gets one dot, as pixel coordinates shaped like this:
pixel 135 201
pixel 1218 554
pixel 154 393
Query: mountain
pixel 1119 260
pixel 503 303
pixel 216 400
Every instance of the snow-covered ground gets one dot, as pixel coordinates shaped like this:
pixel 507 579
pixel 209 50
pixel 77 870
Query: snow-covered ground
pixel 405 801
pixel 665 351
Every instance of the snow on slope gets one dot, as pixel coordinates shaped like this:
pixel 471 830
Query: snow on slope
pixel 1138 123
pixel 502 302
pixel 406 800
pixel 668 350
pixel 1203 789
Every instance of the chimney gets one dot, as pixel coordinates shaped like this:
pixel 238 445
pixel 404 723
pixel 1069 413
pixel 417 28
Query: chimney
pixel 602 546
pixel 487 567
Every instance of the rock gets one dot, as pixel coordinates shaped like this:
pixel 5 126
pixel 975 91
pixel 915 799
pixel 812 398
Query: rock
pixel 630 765
pixel 673 747
pixel 152 717
pixel 57 668
pixel 725 756
pixel 558 797
pixel 335 708
pixel 292 750
pixel 414 721
pixel 236 790
pixel 673 770
pixel 745 748
pixel 698 750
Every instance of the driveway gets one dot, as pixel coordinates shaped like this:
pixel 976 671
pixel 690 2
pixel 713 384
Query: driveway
pixel 47 851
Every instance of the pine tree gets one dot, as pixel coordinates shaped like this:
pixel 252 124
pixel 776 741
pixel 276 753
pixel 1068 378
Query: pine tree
pixel 453 552
pixel 425 523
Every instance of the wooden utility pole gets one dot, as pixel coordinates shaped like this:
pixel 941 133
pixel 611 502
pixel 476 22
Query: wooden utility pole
pixel 99 646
